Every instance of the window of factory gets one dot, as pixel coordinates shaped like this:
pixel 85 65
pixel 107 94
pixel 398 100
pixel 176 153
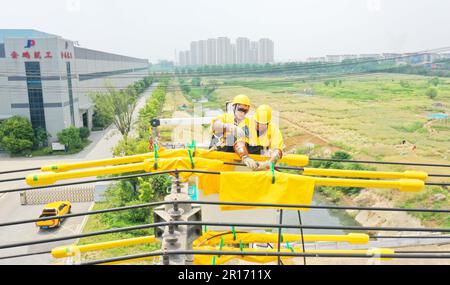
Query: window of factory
pixel 69 86
pixel 35 98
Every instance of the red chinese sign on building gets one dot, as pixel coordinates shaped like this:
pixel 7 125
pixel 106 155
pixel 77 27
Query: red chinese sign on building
pixel 38 55
pixel 66 55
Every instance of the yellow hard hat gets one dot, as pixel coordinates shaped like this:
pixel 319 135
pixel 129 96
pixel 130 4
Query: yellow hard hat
pixel 263 114
pixel 241 99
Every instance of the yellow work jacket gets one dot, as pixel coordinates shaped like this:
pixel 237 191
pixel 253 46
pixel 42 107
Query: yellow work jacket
pixel 262 142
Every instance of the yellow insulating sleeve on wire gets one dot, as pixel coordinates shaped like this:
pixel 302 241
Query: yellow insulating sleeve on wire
pixel 214 238
pixel 63 167
pixel 206 259
pixel 365 174
pixel 48 178
pixel 420 175
pixel 295 160
pixel 290 159
pixel 66 251
pixel 404 185
pixel 411 185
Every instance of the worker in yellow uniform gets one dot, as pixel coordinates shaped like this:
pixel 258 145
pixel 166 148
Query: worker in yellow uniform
pixel 261 136
pixel 225 127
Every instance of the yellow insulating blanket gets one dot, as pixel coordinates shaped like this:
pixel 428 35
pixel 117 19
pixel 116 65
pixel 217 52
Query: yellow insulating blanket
pixel 257 187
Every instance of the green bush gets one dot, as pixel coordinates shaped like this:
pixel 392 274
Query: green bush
pixel 40 137
pixel 432 92
pixel 16 135
pixel 84 133
pixel 70 137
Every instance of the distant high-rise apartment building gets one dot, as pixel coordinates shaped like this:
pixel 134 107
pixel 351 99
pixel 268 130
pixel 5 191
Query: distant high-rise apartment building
pixel 232 57
pixel 221 51
pixel 202 52
pixel 253 53
pixel 242 50
pixel 185 58
pixel 266 51
pixel 194 53
pixel 211 51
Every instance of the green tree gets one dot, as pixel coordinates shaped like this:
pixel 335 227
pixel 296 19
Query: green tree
pixel 70 137
pixel 40 137
pixel 432 92
pixel 118 105
pixel 16 135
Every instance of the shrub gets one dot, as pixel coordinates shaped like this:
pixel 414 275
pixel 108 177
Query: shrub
pixel 16 135
pixel 70 137
pixel 40 137
pixel 84 133
pixel 432 92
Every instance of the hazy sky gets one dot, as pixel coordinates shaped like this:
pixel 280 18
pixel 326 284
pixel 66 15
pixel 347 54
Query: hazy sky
pixel 299 28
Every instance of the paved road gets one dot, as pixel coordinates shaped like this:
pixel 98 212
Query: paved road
pixel 11 210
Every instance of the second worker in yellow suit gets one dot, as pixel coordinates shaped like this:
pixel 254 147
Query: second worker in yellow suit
pixel 261 136
pixel 225 126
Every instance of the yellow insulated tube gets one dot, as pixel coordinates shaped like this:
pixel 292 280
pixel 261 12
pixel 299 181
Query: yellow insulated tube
pixel 62 167
pixel 214 238
pixel 207 259
pixel 290 159
pixel 47 178
pixel 420 175
pixel 71 250
pixel 404 185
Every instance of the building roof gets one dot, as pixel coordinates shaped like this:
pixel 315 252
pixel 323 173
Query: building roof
pixel 22 33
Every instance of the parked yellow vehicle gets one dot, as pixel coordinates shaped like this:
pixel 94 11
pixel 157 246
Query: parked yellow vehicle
pixel 54 209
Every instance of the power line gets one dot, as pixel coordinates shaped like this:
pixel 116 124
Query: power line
pixel 24 255
pixel 246 225
pixel 293 206
pixel 380 162
pixel 20 170
pixel 276 254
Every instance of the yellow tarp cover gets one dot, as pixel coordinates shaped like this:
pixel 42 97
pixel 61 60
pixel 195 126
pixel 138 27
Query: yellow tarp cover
pixel 257 187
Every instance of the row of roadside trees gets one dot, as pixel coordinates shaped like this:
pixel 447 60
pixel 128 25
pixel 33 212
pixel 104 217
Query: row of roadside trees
pixel 144 189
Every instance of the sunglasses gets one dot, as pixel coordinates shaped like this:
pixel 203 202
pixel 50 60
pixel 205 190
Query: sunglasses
pixel 243 110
